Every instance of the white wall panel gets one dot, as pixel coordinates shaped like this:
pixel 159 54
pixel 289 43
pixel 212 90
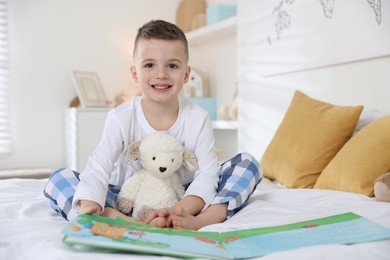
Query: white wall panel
pixel 295 35
pixel 263 99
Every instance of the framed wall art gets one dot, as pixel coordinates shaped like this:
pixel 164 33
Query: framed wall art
pixel 89 89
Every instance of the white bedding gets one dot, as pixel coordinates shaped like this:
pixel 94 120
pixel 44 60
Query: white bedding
pixel 29 229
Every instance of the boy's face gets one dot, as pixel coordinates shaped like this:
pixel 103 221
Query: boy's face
pixel 160 69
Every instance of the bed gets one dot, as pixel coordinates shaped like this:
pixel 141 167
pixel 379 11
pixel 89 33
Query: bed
pixel 30 230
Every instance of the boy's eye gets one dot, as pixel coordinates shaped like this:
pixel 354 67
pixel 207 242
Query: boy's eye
pixel 172 66
pixel 149 65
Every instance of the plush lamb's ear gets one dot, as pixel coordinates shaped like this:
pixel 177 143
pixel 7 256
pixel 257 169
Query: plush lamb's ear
pixel 189 160
pixel 132 153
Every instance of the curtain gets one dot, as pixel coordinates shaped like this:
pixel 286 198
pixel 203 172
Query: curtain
pixel 5 135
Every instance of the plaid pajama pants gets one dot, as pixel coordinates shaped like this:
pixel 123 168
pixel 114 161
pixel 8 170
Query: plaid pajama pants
pixel 239 179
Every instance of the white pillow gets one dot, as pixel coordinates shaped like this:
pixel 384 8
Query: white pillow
pixel 367 116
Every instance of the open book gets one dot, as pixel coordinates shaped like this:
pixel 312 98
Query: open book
pixel 119 234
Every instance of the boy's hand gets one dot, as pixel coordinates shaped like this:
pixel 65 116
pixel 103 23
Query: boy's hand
pixel 90 207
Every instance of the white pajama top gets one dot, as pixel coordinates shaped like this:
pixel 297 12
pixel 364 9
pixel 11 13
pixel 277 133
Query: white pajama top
pixel 126 124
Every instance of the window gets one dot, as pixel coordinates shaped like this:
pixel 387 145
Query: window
pixel 5 133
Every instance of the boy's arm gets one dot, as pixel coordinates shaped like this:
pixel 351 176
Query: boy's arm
pixel 192 204
pixel 90 207
pixel 95 178
pixel 205 182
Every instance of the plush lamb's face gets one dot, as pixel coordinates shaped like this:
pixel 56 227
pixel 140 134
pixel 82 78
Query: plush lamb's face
pixel 161 155
pixel 162 164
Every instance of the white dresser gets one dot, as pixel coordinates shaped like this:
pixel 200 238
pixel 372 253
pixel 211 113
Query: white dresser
pixel 84 128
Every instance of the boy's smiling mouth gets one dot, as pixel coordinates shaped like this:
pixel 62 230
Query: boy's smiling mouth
pixel 161 86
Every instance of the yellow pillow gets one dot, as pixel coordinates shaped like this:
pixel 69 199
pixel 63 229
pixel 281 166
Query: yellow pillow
pixel 361 161
pixel 309 136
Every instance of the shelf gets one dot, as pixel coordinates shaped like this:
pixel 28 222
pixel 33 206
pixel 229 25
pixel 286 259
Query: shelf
pixel 225 125
pixel 212 32
pixel 91 109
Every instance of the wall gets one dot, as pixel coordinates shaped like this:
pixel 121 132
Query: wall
pixel 49 39
pixel 327 58
pixel 217 60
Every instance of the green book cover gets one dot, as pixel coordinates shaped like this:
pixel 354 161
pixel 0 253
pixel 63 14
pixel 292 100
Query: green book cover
pixel 118 234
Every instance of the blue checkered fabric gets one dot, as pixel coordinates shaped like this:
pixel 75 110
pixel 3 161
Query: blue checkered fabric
pixel 239 179
pixel 237 182
pixel 112 196
pixel 60 190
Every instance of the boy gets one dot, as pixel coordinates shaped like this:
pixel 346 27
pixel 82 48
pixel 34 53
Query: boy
pixel 161 68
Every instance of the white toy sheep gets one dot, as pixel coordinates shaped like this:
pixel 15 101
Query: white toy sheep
pixel 156 185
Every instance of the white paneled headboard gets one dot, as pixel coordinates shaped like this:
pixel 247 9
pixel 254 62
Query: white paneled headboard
pixel 336 51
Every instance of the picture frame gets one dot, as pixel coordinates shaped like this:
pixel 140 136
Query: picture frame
pixel 89 89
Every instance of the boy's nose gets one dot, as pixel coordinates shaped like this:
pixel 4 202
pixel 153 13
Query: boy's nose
pixel 162 73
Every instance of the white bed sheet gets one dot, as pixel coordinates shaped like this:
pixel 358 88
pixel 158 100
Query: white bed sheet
pixel 29 229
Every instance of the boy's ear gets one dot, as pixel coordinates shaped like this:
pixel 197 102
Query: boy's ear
pixel 187 74
pixel 132 153
pixel 134 76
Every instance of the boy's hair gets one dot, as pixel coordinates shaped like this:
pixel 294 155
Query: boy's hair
pixel 161 30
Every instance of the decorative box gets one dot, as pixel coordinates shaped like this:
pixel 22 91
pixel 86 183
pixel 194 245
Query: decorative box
pixel 220 12
pixel 196 85
pixel 208 104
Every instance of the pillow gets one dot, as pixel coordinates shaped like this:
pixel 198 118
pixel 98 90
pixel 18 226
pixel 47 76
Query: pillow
pixel 361 161
pixel 368 115
pixel 309 136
